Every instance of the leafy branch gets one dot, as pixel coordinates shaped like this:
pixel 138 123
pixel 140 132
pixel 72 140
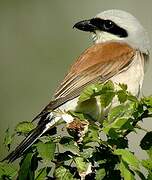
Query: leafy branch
pixel 88 148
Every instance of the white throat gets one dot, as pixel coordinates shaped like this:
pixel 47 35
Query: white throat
pixel 101 37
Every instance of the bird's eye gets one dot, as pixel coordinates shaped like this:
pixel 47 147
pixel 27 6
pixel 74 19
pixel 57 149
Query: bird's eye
pixel 108 24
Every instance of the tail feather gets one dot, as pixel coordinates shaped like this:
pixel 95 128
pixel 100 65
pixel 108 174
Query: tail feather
pixel 29 140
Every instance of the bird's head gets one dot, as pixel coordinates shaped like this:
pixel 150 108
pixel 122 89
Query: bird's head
pixel 116 25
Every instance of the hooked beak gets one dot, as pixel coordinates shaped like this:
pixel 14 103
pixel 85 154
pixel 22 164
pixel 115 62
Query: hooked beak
pixel 86 25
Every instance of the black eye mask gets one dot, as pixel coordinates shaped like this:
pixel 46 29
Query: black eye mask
pixel 94 24
pixel 109 26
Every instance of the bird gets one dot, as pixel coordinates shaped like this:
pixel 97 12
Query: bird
pixel 119 53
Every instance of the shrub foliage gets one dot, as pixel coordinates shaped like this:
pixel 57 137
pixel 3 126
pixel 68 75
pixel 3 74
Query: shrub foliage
pixel 88 148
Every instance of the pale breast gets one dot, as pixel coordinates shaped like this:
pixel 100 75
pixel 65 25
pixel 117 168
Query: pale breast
pixel 132 76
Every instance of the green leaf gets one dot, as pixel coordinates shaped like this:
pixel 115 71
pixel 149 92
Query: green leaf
pixel 24 127
pixel 68 144
pixel 87 152
pixel 8 139
pixel 63 157
pixel 120 143
pixel 146 142
pixel 107 94
pixel 115 129
pixel 132 98
pixel 108 86
pixel 106 98
pixel 42 173
pixel 96 90
pixel 122 96
pixel 7 170
pixel 100 173
pixel 25 171
pixel 147 164
pixel 123 110
pixel 81 164
pixel 62 173
pixel 125 172
pixel 112 133
pixel 121 123
pixel 149 176
pixel 123 86
pixel 45 139
pixel 147 101
pixel 92 134
pixel 89 92
pixel 46 150
pixel 79 115
pixel 128 157
pixel 116 112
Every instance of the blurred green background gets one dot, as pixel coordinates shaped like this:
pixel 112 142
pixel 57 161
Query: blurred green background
pixel 37 45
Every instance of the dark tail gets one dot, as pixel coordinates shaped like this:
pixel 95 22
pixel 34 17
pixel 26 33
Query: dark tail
pixel 30 139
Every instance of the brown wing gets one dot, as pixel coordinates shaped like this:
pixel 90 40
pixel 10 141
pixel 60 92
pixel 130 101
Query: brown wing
pixel 98 63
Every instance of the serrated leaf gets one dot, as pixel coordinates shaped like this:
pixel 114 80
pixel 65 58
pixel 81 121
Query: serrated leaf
pixel 132 98
pixel 123 86
pixel 125 172
pixel 42 173
pixel 122 96
pixel 100 173
pixel 24 127
pixel 81 164
pixel 128 157
pixel 96 90
pixel 106 98
pixel 107 94
pixel 46 150
pixel 87 93
pixel 7 170
pixel 109 85
pixel 62 173
pixel 25 171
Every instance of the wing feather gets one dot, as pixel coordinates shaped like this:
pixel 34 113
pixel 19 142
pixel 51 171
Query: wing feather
pixel 98 63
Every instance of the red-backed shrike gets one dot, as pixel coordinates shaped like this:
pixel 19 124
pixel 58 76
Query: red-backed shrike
pixel 119 53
